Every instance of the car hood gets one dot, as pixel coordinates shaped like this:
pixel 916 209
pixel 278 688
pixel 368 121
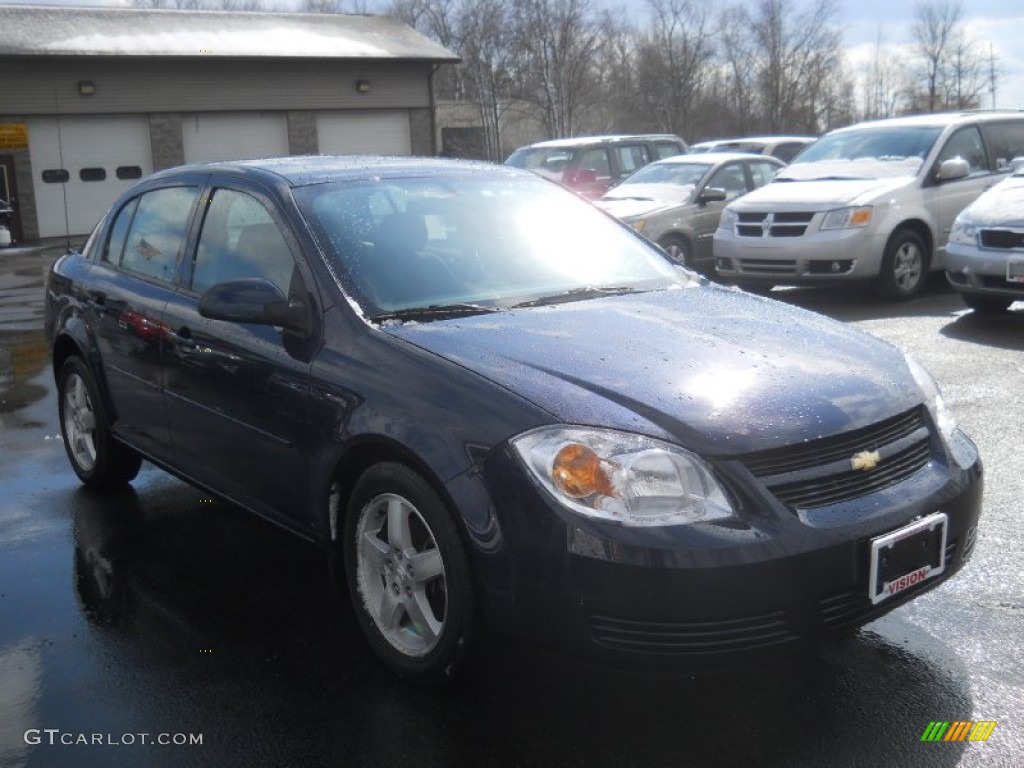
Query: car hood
pixel 1001 206
pixel 629 209
pixel 719 371
pixel 819 194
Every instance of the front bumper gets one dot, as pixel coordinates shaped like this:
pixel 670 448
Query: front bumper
pixel 817 256
pixel 708 596
pixel 971 269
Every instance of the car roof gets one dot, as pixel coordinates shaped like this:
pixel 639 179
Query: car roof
pixel 938 119
pixel 763 140
pixel 609 139
pixel 318 169
pixel 713 158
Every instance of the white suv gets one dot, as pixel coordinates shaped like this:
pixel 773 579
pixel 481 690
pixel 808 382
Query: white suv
pixel 874 201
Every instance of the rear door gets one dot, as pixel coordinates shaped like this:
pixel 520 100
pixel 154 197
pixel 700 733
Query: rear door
pixel 129 287
pixel 237 393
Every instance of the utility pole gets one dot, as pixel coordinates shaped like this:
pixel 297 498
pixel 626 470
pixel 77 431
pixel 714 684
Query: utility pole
pixel 992 75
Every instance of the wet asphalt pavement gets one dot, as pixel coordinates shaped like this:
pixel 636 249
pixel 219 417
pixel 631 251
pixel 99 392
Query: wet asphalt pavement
pixel 162 612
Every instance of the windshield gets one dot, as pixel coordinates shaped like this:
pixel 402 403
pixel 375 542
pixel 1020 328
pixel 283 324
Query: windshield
pixel 475 243
pixel 683 175
pixel 550 162
pixel 866 153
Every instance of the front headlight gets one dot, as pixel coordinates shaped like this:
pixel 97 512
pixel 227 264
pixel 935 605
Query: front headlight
pixel 964 452
pixel 964 231
pixel 847 218
pixel 728 219
pixel 622 477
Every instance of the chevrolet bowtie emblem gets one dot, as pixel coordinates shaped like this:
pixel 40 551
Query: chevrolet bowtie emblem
pixel 866 460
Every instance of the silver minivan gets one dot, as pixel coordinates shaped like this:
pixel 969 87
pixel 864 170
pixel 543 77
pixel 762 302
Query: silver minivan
pixel 872 202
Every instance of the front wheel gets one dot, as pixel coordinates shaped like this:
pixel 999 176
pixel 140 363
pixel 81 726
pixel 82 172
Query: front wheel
pixel 408 574
pixel 99 460
pixel 986 305
pixel 904 266
pixel 677 249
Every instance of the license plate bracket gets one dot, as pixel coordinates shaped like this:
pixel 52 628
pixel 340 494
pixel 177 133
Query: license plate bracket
pixel 907 556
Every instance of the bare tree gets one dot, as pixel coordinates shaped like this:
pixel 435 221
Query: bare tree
pixel 884 82
pixel 934 33
pixel 560 42
pixel 966 75
pixel 487 63
pixel 672 65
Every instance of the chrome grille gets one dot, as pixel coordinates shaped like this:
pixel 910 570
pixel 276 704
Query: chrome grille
pixel 819 472
pixel 783 224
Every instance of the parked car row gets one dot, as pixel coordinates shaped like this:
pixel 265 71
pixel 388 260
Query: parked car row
pixel 871 203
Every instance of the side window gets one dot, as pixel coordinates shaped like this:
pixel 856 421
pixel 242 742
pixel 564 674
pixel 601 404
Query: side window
pixel 596 160
pixel 119 233
pixel 157 232
pixel 1005 142
pixel 730 178
pixel 787 151
pixel 666 149
pixel 966 143
pixel 240 239
pixel 631 157
pixel 762 172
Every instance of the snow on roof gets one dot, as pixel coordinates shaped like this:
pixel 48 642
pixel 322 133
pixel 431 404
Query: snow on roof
pixel 79 31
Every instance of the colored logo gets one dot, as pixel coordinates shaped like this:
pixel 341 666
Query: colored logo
pixel 866 460
pixel 958 730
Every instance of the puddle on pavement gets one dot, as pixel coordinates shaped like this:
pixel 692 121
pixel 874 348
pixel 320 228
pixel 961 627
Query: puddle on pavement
pixel 23 356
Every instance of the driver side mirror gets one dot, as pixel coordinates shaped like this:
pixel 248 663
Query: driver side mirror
pixel 954 168
pixel 712 195
pixel 255 300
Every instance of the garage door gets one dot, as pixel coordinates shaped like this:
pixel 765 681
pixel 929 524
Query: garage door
pixel 207 138
pixel 383 132
pixel 80 166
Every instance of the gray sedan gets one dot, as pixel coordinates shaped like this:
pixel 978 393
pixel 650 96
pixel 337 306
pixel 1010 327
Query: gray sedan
pixel 677 202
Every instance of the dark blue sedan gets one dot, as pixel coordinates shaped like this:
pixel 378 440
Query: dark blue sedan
pixel 493 404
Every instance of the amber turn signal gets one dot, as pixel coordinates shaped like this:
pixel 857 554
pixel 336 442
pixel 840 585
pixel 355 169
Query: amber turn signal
pixel 578 473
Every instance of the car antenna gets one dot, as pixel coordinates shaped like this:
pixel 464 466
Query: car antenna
pixel 64 184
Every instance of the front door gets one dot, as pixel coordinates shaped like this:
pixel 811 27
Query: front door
pixel 237 394
pixel 9 193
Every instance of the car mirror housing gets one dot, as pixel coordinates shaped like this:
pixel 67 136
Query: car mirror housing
pixel 711 195
pixel 954 168
pixel 254 300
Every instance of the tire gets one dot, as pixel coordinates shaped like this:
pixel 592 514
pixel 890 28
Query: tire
pixel 904 266
pixel 408 575
pixel 98 458
pixel 989 306
pixel 677 249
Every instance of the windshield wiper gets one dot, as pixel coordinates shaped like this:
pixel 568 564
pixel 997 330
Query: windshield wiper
pixel 583 292
pixel 435 312
pixel 627 197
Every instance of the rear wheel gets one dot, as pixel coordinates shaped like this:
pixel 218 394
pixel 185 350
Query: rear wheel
pixel 986 305
pixel 408 574
pixel 99 460
pixel 904 266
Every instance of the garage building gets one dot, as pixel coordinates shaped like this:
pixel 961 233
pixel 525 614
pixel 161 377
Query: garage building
pixel 92 99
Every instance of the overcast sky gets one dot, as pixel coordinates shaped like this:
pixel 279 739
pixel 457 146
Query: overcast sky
pixel 995 23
